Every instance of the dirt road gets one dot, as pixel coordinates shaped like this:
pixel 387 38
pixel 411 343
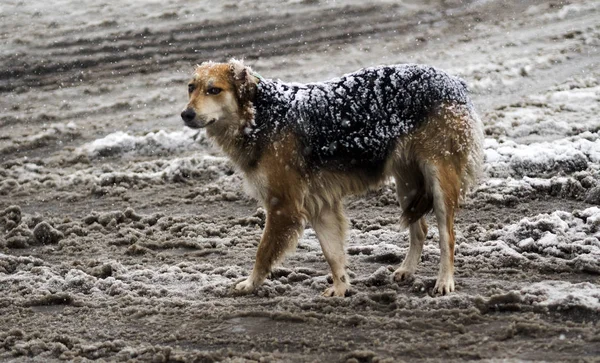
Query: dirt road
pixel 121 232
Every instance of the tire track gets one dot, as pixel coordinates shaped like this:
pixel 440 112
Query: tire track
pixel 67 61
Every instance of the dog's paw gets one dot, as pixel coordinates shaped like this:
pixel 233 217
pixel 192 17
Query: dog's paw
pixel 444 285
pixel 244 287
pixel 332 291
pixel 403 276
pixel 336 290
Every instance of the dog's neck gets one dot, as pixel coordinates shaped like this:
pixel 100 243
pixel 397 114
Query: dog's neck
pixel 262 118
pixel 262 115
pixel 245 139
pixel 232 140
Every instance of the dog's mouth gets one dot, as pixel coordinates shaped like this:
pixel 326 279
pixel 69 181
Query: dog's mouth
pixel 210 122
pixel 199 124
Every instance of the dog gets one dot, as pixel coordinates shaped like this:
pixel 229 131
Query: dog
pixel 303 147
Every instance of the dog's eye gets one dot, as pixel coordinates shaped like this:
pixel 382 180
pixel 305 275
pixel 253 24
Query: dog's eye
pixel 191 88
pixel 213 91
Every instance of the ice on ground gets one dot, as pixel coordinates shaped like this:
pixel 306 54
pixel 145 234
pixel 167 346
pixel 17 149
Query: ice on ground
pixel 532 150
pixel 153 143
pixel 31 278
pixel 563 294
pixel 17 175
pixel 567 10
pixel 51 133
pixel 486 76
pixel 568 155
pixel 568 109
pixel 205 167
pixel 560 241
pixel 509 191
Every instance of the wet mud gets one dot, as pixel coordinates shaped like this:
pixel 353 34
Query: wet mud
pixel 122 232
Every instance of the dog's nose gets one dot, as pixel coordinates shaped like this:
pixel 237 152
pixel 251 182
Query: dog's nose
pixel 188 115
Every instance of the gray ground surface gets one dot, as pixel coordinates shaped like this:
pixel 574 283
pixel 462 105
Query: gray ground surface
pixel 122 233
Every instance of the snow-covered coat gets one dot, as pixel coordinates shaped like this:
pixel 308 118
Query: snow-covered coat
pixel 353 122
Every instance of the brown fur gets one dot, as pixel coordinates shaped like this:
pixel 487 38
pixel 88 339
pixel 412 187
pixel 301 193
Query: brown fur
pixel 432 167
pixel 443 141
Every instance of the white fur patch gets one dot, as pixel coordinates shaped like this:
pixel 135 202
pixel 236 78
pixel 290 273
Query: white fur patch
pixel 256 186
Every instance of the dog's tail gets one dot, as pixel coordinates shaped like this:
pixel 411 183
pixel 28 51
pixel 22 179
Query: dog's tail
pixel 419 200
pixel 473 170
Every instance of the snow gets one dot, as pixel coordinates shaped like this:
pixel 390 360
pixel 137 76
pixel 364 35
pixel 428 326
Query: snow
pixel 527 237
pixel 153 143
pixel 559 241
pixel 542 158
pixel 155 171
pixel 485 76
pixel 181 281
pixel 542 116
pixel 535 138
pixel 572 9
pixel 563 294
pixel 51 133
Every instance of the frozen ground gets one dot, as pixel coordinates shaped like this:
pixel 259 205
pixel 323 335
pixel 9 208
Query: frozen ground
pixel 121 232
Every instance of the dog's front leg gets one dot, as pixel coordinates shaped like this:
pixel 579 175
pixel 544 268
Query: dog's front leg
pixel 284 226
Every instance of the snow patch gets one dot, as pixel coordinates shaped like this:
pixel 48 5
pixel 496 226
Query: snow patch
pixel 153 143
pixel 560 241
pixel 543 117
pixel 563 294
pixel 52 133
pixel 544 158
pixel 206 167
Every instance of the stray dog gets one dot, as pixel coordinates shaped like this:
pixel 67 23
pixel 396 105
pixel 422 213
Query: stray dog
pixel 303 147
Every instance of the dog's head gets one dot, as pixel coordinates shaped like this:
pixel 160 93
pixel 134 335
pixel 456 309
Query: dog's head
pixel 220 95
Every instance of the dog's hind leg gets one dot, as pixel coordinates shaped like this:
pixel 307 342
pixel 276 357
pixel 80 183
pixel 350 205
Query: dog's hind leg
pixel 446 191
pixel 432 166
pixel 415 201
pixel 418 232
pixel 330 226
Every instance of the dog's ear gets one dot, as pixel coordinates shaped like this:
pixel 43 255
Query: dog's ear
pixel 239 71
pixel 243 79
pixel 245 83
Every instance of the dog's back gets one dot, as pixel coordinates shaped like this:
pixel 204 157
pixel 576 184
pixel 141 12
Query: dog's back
pixel 353 123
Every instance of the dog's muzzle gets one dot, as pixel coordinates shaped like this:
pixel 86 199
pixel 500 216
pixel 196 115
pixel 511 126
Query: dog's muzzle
pixel 188 115
pixel 191 120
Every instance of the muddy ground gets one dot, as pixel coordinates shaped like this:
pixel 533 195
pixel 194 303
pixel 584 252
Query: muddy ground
pixel 122 232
